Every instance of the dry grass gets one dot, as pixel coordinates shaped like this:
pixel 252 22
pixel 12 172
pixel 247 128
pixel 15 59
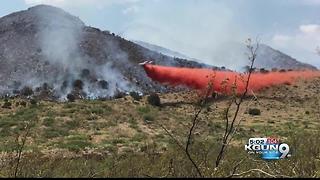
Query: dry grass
pixel 98 137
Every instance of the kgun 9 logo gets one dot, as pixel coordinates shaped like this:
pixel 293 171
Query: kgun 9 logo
pixel 269 148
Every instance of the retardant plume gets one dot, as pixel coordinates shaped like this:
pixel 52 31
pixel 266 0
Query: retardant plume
pixel 223 82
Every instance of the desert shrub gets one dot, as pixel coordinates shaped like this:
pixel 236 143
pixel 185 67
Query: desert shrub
pixel 56 132
pixel 264 71
pixel 103 84
pixel 48 121
pixel 254 112
pixel 97 111
pixel 71 97
pixel 144 110
pixel 119 95
pixel 26 91
pixel 148 118
pixel 282 70
pixel 64 85
pixel 78 84
pixel 23 103
pixel 85 73
pixel 72 124
pixel 45 86
pixel 7 104
pixel 154 99
pixel 135 96
pixel 76 143
pixel 33 102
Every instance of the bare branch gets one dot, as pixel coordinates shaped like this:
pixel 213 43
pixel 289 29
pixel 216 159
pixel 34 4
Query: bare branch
pixel 254 170
pixel 230 129
pixel 21 147
pixel 172 137
pixel 235 168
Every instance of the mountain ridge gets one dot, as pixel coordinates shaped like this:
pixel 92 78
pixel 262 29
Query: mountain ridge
pixel 267 57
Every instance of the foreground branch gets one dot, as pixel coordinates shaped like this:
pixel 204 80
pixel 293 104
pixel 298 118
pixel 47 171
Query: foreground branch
pixel 230 125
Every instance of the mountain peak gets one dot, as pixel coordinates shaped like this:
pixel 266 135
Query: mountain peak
pixel 45 7
pixel 41 15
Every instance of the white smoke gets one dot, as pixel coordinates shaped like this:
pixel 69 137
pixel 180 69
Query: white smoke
pixel 59 38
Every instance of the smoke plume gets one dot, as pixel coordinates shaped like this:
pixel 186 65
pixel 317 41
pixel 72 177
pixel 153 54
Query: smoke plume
pixel 64 43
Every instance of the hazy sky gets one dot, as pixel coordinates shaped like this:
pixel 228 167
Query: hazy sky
pixel 200 28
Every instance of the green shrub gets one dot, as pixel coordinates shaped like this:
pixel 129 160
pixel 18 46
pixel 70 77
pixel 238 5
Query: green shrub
pixel 56 132
pixel 76 143
pixel 144 110
pixel 72 124
pixel 48 121
pixel 97 111
pixel 254 112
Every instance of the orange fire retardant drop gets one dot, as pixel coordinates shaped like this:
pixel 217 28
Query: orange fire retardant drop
pixel 223 82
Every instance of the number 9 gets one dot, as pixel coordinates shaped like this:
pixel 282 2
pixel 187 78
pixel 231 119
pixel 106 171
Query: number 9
pixel 284 150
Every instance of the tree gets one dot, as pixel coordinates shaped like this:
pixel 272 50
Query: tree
pixel 232 123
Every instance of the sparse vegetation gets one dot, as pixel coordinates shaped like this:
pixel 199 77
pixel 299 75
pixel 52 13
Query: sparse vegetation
pixel 64 128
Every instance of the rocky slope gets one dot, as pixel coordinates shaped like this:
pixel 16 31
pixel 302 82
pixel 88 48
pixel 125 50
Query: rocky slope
pixel 271 58
pixel 45 48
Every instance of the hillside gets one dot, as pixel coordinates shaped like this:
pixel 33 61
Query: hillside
pixel 45 48
pixel 270 58
pixel 106 138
